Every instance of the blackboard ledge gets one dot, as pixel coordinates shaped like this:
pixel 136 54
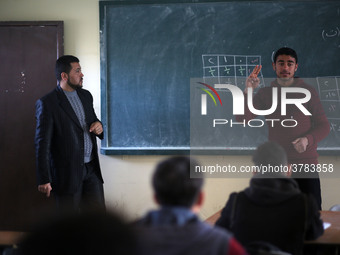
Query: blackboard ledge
pixel 175 151
pixel 145 150
pixel 237 151
pixel 329 152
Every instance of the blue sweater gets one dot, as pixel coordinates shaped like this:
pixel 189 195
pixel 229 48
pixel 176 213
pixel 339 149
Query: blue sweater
pixel 176 230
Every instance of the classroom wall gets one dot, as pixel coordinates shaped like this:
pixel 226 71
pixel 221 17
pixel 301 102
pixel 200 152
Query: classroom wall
pixel 127 178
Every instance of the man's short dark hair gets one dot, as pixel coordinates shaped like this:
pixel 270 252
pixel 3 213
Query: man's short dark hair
pixel 270 153
pixel 63 65
pixel 172 183
pixel 286 51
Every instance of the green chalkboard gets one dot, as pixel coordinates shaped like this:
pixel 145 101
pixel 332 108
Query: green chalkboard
pixel 150 51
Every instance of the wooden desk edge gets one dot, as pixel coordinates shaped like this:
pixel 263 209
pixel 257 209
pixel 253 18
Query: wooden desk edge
pixel 330 236
pixel 213 218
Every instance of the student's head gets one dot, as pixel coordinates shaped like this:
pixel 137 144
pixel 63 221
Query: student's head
pixel 270 153
pixel 172 183
pixel 86 234
pixel 285 63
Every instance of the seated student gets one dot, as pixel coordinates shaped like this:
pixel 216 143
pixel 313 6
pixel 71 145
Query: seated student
pixel 272 209
pixel 90 233
pixel 175 228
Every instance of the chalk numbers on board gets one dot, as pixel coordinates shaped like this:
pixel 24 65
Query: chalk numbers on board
pixel 330 98
pixel 229 69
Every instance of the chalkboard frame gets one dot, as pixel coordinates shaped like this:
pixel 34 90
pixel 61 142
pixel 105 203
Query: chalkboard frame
pixel 106 149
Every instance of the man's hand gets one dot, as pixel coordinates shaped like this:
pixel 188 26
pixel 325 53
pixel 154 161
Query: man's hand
pixel 253 81
pixel 96 128
pixel 45 188
pixel 300 144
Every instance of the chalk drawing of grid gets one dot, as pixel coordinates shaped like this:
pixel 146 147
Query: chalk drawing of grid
pixel 329 91
pixel 230 68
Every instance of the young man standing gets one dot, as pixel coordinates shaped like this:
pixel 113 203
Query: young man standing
pixel 300 141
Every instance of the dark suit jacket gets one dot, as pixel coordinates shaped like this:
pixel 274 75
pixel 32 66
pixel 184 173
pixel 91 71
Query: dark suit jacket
pixel 59 141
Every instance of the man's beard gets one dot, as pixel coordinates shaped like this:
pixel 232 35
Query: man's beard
pixel 74 86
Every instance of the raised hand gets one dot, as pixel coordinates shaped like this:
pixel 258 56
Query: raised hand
pixel 253 81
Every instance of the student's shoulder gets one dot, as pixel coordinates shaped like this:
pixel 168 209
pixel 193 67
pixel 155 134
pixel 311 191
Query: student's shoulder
pixel 216 231
pixel 233 196
pixel 224 237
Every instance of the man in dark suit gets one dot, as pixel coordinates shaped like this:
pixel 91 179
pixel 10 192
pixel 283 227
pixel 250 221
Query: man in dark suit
pixel 65 142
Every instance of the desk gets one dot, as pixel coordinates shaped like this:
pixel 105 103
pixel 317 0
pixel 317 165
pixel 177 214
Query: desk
pixel 331 236
pixel 213 218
